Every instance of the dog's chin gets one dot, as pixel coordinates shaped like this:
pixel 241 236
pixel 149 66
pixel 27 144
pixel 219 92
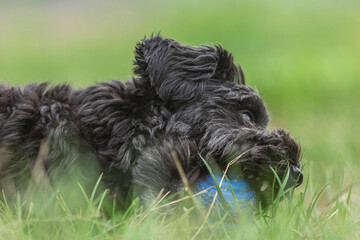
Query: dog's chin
pixel 264 177
pixel 268 185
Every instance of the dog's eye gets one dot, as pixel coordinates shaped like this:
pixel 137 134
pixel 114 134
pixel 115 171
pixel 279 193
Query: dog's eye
pixel 247 118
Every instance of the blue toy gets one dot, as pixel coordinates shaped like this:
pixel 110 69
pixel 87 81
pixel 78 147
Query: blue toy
pixel 245 196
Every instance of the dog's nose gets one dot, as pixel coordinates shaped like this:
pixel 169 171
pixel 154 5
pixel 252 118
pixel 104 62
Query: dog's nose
pixel 295 177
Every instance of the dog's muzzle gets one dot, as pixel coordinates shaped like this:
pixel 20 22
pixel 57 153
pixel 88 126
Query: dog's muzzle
pixel 295 177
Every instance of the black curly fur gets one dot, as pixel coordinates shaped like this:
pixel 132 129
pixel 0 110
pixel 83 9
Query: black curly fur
pixel 185 99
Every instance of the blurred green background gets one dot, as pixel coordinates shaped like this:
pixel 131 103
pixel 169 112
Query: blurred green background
pixel 302 56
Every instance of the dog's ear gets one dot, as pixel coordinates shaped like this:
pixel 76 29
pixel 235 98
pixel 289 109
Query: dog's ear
pixel 180 73
pixel 226 69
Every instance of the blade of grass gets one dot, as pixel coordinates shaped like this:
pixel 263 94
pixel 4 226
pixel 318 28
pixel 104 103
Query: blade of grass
pixel 91 200
pixel 313 203
pixel 222 199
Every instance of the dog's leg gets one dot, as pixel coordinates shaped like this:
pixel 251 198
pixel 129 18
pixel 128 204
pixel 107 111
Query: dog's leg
pixel 5 157
pixel 7 181
pixel 39 174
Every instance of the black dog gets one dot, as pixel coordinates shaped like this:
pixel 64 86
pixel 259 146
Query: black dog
pixel 188 100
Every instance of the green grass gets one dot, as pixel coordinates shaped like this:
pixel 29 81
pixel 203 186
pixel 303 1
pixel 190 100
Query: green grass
pixel 296 216
pixel 303 57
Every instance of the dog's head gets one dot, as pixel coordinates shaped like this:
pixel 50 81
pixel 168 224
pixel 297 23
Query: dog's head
pixel 210 105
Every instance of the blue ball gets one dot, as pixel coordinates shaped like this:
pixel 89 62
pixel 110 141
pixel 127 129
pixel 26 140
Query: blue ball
pixel 245 196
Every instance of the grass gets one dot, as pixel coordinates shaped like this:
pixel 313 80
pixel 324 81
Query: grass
pixel 302 57
pixel 293 217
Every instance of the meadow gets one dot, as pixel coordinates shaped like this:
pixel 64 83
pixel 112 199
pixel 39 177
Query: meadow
pixel 303 57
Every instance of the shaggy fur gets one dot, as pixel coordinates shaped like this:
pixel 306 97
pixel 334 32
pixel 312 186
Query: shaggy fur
pixel 191 100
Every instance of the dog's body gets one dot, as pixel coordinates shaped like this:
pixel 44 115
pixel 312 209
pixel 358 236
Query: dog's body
pixel 186 100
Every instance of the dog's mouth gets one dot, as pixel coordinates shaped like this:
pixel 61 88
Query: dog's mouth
pixel 268 161
pixel 264 183
pixel 272 183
